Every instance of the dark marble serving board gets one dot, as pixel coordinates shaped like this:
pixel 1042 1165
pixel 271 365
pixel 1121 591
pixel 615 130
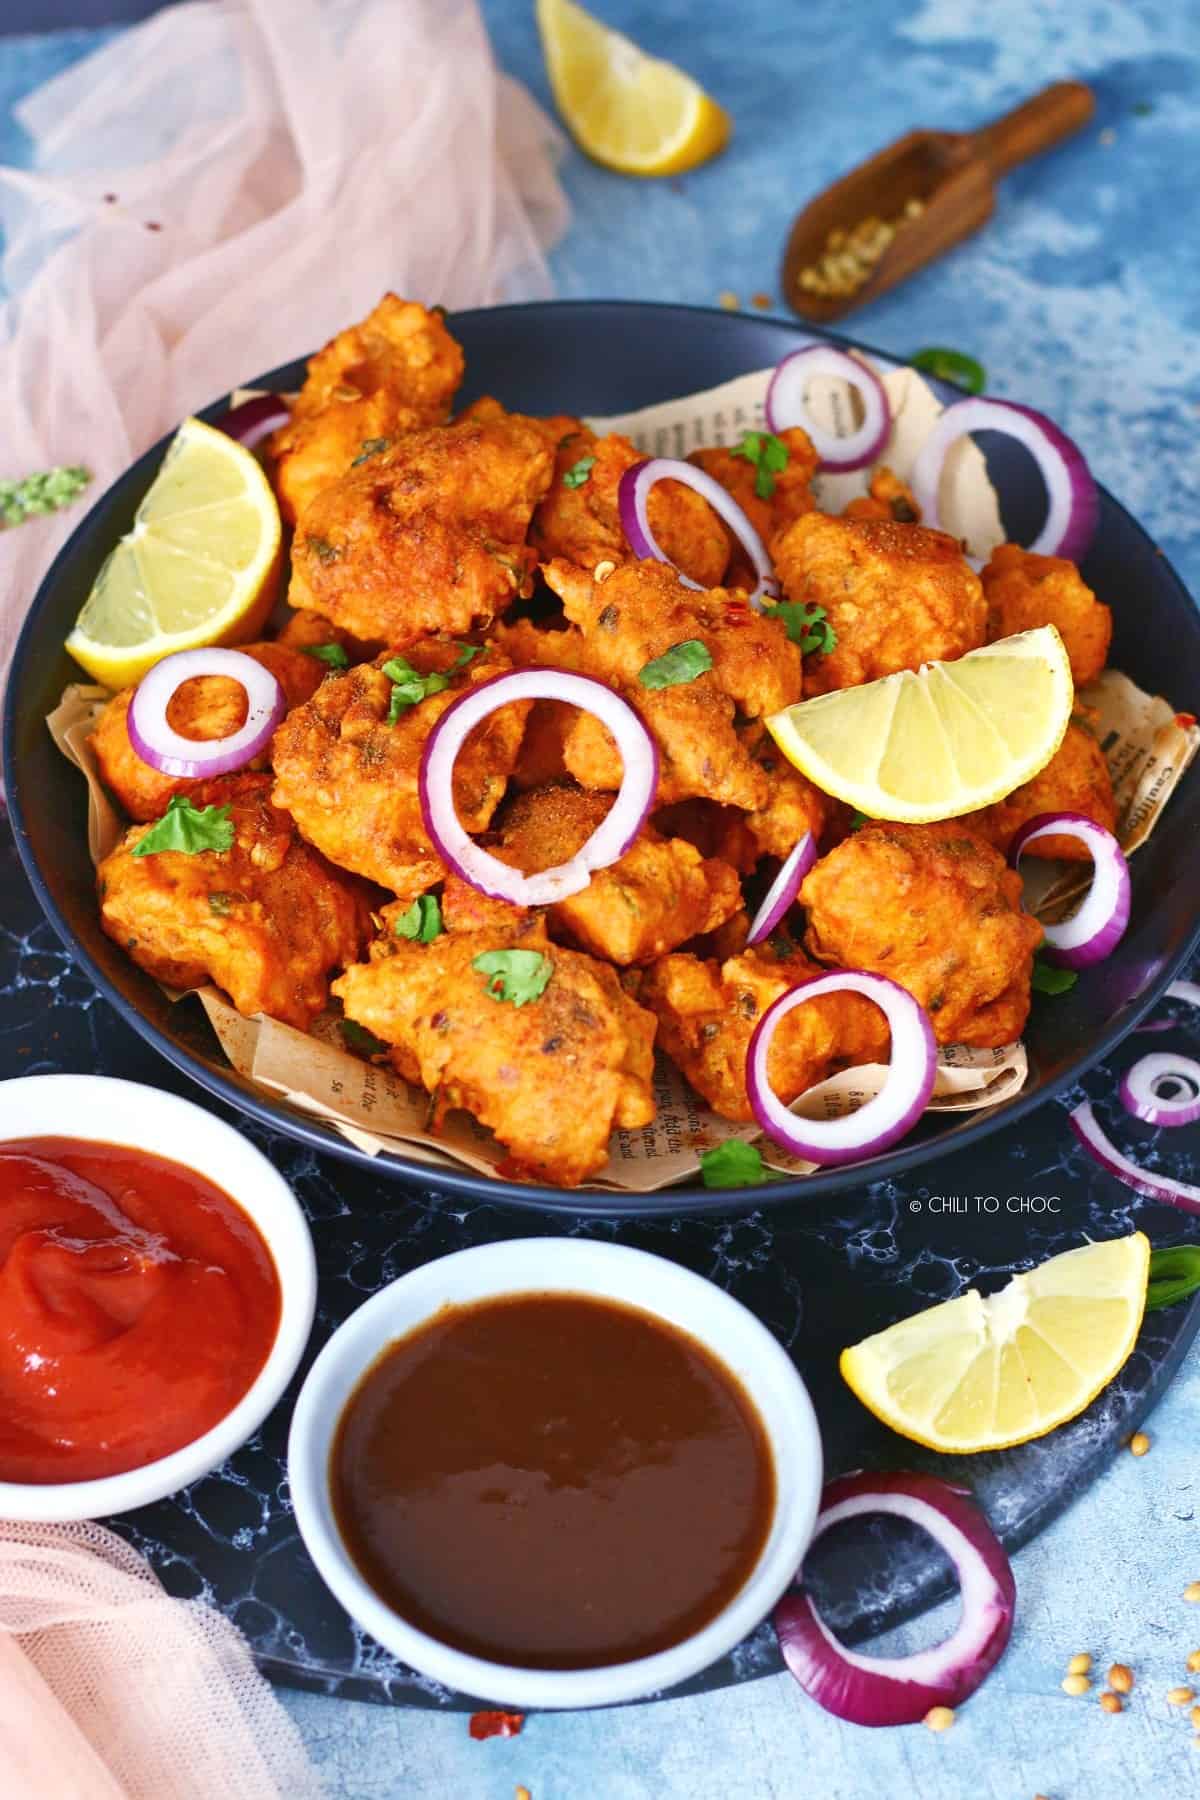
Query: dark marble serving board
pixel 820 1275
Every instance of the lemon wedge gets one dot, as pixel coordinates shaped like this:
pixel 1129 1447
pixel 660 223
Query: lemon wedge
pixel 975 1374
pixel 628 110
pixel 200 566
pixel 949 738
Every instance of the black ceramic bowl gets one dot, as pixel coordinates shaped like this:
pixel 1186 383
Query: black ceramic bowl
pixel 608 357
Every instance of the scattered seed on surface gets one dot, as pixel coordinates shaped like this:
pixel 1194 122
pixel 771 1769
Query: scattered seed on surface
pixel 1120 1678
pixel 1192 1591
pixel 1075 1685
pixel 728 299
pixel 1139 1443
pixel 1109 1703
pixel 1180 1696
pixel 940 1718
pixel 762 301
pixel 1080 1664
pixel 523 1793
pixel 1194 1715
pixel 1194 1662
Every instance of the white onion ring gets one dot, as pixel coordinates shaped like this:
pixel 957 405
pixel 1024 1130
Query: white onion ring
pixel 1097 927
pixel 899 1690
pixel 252 420
pixel 1099 1145
pixel 612 837
pixel 781 894
pixel 633 497
pixel 1140 1087
pixel 1074 507
pixel 786 405
pixel 167 750
pixel 893 1111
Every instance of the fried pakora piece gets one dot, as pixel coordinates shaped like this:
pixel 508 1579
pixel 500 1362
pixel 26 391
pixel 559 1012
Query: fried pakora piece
pixel 351 779
pixel 1076 779
pixel 935 908
pixel 395 372
pixel 427 536
pixel 790 496
pixel 207 707
pixel 551 1076
pixel 1023 591
pixel 707 1012
pixel 267 920
pixel 580 518
pixel 886 498
pixel 896 596
pixel 793 806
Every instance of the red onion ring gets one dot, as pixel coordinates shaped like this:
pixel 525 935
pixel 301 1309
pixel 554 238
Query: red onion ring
pixel 1099 1146
pixel 1074 507
pixel 893 1111
pixel 166 750
pixel 254 419
pixel 899 1690
pixel 1141 1084
pixel 633 496
pixel 612 837
pixel 1097 927
pixel 781 894
pixel 786 405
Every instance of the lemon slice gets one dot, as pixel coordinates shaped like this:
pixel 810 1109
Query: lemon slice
pixel 975 1374
pixel 945 740
pixel 199 567
pixel 627 110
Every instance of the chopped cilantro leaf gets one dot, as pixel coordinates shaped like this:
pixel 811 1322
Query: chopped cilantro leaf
pixel 514 975
pixel 422 922
pixel 951 365
pixel 805 625
pixel 371 447
pixel 1174 1276
pixel 680 664
pixel 733 1164
pixel 221 903
pixel 1048 978
pixel 188 828
pixel 410 687
pixel 331 654
pixel 46 492
pixel 858 820
pixel 322 549
pixel 769 455
pixel 359 1038
pixel 578 472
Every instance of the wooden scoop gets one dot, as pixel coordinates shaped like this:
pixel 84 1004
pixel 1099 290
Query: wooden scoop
pixel 950 172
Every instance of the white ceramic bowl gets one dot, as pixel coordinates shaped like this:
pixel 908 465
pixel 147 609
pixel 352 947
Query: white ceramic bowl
pixel 578 1266
pixel 103 1110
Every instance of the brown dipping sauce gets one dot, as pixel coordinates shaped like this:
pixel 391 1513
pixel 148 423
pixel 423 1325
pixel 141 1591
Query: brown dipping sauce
pixel 552 1481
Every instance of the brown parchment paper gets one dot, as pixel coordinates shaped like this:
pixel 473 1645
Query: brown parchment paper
pixel 1147 747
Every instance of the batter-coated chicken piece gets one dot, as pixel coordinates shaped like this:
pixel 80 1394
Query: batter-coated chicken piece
pixel 350 779
pixel 1076 779
pixel 791 489
pixel 206 707
pixel 551 1077
pixel 896 596
pixel 395 372
pixel 886 498
pixel 267 920
pixel 707 1012
pixel 580 518
pixel 427 536
pixel 793 806
pixel 937 910
pixel 1023 591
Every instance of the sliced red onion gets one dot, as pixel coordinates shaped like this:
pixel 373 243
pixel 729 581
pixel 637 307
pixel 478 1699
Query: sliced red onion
pixel 1163 1090
pixel 633 497
pixel 1098 926
pixel 1074 504
pixel 1097 1143
pixel 899 1690
pixel 787 405
pixel 612 837
pixel 166 750
pixel 892 1112
pixel 781 894
pixel 254 419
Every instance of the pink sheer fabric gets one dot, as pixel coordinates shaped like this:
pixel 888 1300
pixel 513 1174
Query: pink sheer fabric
pixel 222 189
pixel 109 1690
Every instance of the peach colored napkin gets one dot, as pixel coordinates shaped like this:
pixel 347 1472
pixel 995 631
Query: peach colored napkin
pixel 223 188
pixel 110 1690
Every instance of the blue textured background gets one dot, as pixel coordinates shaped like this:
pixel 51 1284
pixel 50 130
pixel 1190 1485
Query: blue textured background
pixel 1081 296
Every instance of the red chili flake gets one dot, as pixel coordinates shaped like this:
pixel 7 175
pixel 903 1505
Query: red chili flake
pixel 110 199
pixel 496 1724
pixel 153 225
pixel 1185 720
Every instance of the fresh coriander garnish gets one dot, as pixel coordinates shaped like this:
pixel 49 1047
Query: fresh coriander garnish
pixel 359 1038
pixel 188 828
pixel 1048 978
pixel 858 820
pixel 410 687
pixel 680 664
pixel 578 472
pixel 1174 1276
pixel 47 492
pixel 514 975
pixel 422 922
pixel 733 1164
pixel 322 549
pixel 769 455
pixel 805 625
pixel 221 903
pixel 331 654
pixel 371 447
pixel 951 365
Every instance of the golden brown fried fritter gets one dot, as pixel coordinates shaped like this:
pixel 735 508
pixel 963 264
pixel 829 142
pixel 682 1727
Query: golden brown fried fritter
pixel 896 596
pixel 392 374
pixel 937 910
pixel 793 806
pixel 1023 591
pixel 267 920
pixel 207 707
pixel 886 498
pixel 707 1013
pixel 427 536
pixel 580 519
pixel 791 491
pixel 1076 779
pixel 350 779
pixel 551 1078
